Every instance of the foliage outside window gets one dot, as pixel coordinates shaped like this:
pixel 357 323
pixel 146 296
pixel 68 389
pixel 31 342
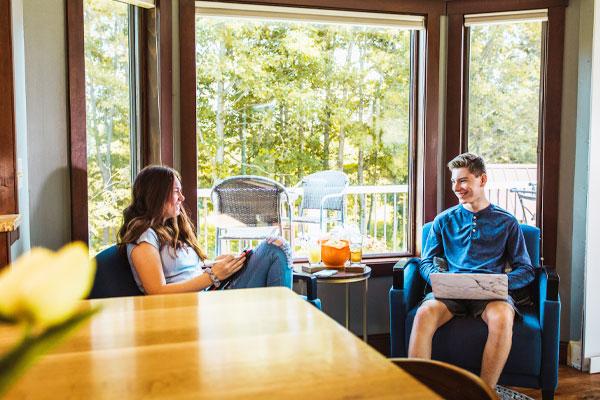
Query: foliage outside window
pixel 106 40
pixel 287 99
pixel 504 113
pixel 504 91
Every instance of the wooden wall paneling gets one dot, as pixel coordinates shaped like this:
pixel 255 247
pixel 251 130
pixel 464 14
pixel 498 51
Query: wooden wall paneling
pixel 77 120
pixel 551 120
pixel 8 179
pixel 155 61
pixel 4 249
pixel 432 82
pixel 165 68
pixel 189 156
pixel 152 132
pixel 454 100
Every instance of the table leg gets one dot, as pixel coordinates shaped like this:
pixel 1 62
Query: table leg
pixel 347 306
pixel 365 310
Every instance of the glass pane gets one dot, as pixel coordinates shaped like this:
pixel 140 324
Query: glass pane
pixel 503 122
pixel 287 99
pixel 107 112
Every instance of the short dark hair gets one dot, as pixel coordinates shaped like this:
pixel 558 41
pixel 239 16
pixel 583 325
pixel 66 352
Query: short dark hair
pixel 472 161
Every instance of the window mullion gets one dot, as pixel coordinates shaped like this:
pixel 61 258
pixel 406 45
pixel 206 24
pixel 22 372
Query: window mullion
pixel 134 89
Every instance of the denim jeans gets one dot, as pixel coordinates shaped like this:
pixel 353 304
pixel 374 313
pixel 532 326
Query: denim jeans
pixel 269 265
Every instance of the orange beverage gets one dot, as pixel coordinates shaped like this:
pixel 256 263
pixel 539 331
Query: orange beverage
pixel 335 253
pixel 355 254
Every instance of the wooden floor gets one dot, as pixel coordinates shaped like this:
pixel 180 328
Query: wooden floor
pixel 572 384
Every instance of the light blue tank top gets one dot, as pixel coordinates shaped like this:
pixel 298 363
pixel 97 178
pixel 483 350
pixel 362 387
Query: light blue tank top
pixel 178 267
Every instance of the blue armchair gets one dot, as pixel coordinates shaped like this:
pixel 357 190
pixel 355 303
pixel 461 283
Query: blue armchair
pixel 533 359
pixel 113 275
pixel 114 278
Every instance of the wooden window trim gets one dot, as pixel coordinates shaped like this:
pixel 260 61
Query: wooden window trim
pixel 550 110
pixel 165 44
pixel 77 105
pixel 426 179
pixel 187 101
pixel 8 157
pixel 77 121
pixel 483 6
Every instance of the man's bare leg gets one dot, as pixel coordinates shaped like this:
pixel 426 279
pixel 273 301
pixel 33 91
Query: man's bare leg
pixel 430 316
pixel 499 316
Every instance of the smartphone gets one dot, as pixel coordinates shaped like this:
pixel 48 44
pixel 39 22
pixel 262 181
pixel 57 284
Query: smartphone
pixel 247 253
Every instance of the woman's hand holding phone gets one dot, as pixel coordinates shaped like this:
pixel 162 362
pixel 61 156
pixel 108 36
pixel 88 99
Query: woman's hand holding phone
pixel 227 265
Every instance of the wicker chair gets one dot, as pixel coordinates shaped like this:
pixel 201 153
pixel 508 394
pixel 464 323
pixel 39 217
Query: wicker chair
pixel 255 203
pixel 323 191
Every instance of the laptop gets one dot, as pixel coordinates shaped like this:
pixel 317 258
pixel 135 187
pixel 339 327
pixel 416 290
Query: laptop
pixel 469 286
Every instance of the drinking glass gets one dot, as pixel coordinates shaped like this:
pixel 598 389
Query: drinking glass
pixel 356 248
pixel 314 252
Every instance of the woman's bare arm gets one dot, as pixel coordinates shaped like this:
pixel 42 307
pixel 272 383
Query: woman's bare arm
pixel 146 261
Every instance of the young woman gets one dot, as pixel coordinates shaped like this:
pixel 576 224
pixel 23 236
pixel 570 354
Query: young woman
pixel 163 251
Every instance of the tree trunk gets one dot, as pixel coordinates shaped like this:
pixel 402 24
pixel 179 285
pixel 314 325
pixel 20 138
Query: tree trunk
pixel 328 99
pixel 220 118
pixel 326 131
pixel 342 136
pixel 361 156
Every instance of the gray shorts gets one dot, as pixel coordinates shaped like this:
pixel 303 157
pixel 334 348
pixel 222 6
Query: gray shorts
pixel 469 308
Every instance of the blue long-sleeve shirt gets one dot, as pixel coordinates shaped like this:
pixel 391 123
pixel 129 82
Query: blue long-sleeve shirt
pixel 481 242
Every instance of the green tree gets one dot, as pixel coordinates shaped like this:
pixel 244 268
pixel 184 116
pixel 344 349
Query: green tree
pixel 504 90
pixel 107 118
pixel 285 99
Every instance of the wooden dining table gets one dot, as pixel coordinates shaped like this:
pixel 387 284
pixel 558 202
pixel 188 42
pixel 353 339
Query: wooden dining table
pixel 248 343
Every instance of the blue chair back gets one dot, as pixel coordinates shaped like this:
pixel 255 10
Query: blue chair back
pixel 532 241
pixel 113 275
pixel 530 233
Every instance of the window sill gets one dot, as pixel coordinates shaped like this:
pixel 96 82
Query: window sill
pixel 381 266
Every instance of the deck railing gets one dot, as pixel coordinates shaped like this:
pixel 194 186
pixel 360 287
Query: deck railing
pixel 380 211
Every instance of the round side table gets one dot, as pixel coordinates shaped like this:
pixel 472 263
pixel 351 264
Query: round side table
pixel 350 277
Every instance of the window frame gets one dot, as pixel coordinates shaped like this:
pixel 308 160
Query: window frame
pixel 550 102
pixel 9 203
pixel 424 163
pixel 140 135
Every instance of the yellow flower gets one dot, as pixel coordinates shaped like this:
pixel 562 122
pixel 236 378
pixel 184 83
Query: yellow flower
pixel 44 287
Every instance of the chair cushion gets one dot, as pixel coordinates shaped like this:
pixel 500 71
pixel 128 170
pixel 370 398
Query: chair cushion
pixel 461 342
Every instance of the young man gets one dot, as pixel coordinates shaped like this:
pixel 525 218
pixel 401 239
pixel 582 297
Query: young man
pixel 474 236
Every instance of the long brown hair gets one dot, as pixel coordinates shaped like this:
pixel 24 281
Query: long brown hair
pixel 152 189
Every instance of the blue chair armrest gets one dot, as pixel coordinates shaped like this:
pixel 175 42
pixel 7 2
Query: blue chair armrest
pixel 399 270
pixel 311 285
pixel 406 292
pixel 553 280
pixel 549 313
pixel 408 278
